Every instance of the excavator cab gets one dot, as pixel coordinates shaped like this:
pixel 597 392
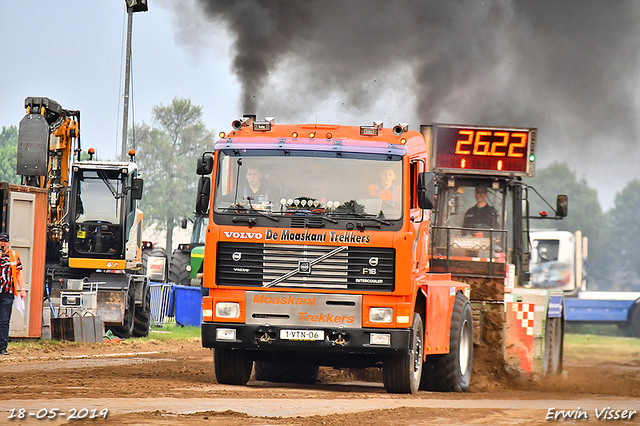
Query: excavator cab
pixel 102 213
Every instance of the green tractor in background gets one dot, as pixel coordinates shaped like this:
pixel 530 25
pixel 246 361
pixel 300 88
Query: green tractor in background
pixel 197 257
pixel 187 258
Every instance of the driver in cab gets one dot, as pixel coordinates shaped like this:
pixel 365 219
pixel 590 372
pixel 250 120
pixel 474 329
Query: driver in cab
pixel 385 189
pixel 482 215
pixel 257 190
pixel 254 187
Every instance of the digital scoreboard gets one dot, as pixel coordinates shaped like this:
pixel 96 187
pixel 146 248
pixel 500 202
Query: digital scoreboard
pixel 480 149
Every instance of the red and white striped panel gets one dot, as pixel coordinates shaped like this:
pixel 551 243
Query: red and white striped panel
pixel 525 314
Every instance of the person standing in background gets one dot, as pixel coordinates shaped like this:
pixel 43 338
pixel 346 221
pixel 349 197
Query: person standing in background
pixel 11 284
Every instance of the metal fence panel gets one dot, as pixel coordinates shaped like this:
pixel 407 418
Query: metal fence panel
pixel 160 303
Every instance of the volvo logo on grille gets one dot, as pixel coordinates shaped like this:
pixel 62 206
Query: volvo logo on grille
pixel 373 261
pixel 236 256
pixel 304 266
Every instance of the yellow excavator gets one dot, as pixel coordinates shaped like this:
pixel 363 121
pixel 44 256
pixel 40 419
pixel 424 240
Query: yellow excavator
pixel 94 226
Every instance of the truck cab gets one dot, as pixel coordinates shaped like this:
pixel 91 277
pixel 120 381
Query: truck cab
pixel 559 262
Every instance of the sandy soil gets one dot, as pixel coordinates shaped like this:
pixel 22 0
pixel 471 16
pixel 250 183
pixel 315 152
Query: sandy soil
pixel 173 384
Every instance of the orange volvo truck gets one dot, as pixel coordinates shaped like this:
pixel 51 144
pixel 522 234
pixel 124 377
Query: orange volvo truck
pixel 317 254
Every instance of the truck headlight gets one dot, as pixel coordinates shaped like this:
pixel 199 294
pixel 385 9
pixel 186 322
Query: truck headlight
pixel 227 310
pixel 380 339
pixel 383 315
pixel 225 334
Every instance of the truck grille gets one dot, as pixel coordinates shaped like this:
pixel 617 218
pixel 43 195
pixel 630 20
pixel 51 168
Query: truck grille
pixel 305 266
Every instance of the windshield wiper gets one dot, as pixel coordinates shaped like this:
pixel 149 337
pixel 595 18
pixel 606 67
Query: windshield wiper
pixel 268 216
pixel 250 219
pixel 261 213
pixel 247 214
pixel 365 216
pixel 239 208
pixel 323 216
pixel 107 182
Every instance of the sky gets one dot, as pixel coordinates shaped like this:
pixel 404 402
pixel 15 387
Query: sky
pixel 73 52
pixel 569 68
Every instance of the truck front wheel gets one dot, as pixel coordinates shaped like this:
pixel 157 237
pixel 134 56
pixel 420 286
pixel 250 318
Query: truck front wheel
pixel 452 372
pixel 401 373
pixel 232 366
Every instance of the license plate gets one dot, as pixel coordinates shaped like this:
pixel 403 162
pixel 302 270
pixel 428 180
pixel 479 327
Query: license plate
pixel 302 334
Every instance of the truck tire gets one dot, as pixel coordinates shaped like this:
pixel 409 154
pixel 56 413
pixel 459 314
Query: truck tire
pixel 142 317
pixel 178 272
pixel 452 372
pixel 125 330
pixel 402 373
pixel 553 347
pixel 232 366
pixel 634 320
pixel 154 251
pixel 286 372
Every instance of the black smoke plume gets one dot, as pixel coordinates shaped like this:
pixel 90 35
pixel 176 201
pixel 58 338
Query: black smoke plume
pixel 568 67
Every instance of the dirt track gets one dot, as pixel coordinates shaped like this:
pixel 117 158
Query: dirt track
pixel 173 383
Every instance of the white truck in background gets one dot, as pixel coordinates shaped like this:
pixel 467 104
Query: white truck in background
pixel 558 260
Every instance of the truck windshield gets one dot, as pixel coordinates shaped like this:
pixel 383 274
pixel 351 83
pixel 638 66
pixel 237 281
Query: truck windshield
pixel 309 183
pixel 470 223
pixel 98 208
pixel 476 206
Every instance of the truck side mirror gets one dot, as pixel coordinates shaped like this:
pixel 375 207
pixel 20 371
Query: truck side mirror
pixel 204 193
pixel 183 223
pixel 426 190
pixel 562 206
pixel 205 164
pixel 136 188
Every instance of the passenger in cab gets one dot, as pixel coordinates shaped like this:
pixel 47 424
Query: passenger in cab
pixel 385 189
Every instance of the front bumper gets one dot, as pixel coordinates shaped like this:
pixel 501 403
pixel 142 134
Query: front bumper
pixel 336 340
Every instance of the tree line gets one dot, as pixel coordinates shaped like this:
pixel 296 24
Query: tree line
pixel 613 262
pixel 168 147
